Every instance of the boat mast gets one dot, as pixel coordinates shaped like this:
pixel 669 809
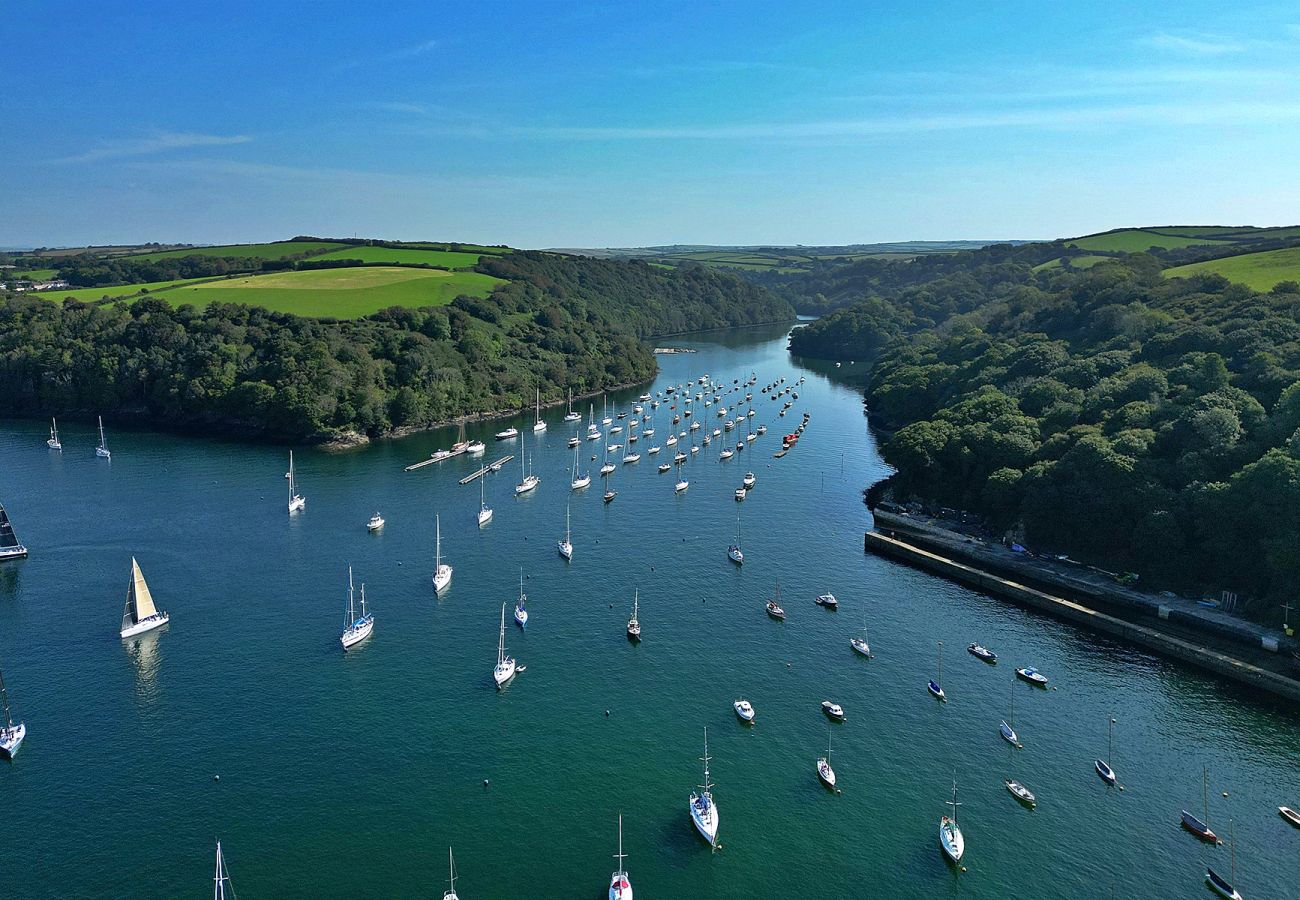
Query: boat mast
pixel 621 855
pixel 706 788
pixel 437 546
pixel 220 880
pixel 1205 794
pixel 567 539
pixel 939 679
pixel 501 641
pixel 4 698
pixel 352 614
pixel 451 863
pixel 953 802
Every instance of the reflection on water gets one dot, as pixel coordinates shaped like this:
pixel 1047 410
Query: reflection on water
pixel 145 654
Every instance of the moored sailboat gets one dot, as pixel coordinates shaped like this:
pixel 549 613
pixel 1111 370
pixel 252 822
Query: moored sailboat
pixel 566 546
pixel 1103 766
pixel 521 605
pixel 441 571
pixel 824 770
pixel 634 623
pixel 450 893
pixel 578 482
pixel 11 734
pixel 102 450
pixel 484 511
pixel 950 836
pixel 1201 827
pixel 704 811
pixel 538 426
pixel 358 628
pixel 140 615
pixel 620 887
pixel 528 479
pixel 1226 887
pixel 934 687
pixel 296 500
pixel 54 443
pixel 505 667
pixel 734 552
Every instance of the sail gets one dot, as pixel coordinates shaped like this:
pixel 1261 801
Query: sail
pixel 7 537
pixel 138 598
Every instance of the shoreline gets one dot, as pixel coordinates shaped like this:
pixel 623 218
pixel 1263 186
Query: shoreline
pixel 1237 649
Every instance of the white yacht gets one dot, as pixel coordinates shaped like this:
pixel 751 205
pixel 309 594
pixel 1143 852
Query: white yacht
pixel 605 419
pixel 566 546
pixel 634 623
pixel 950 838
pixel 505 667
pixel 11 735
pixel 475 448
pixel 620 888
pixel 749 480
pixel 376 522
pixel 139 614
pixel 653 450
pixel 704 811
pixel 10 548
pixel 521 605
pixel 630 457
pixel 441 571
pixel 102 450
pixel 296 500
pixel 538 426
pixel 726 453
pixel 484 511
pixel 54 443
pixel 507 433
pixel 744 710
pixel 357 628
pixel 608 466
pixel 734 552
pixel 529 481
pixel 572 416
pixel 682 483
pixel 824 770
pixel 579 481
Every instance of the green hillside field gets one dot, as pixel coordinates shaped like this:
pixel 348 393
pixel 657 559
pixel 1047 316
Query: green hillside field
pixel 1137 240
pixel 1257 270
pixel 87 295
pixel 405 256
pixel 340 293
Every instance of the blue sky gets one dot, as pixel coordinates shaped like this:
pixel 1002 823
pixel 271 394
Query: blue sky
pixel 612 124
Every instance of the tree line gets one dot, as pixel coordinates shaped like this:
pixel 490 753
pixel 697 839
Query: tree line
pixel 1129 420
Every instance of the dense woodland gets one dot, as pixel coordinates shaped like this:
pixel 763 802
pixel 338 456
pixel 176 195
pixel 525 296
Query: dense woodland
pixel 561 324
pixel 1130 420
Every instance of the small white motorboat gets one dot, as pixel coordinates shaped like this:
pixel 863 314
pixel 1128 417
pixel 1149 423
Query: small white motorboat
pixel 507 434
pixel 1021 793
pixel 664 467
pixel 827 600
pixel 833 710
pixel 981 652
pixel 741 493
pixel 748 480
pixel 726 453
pixel 744 710
pixel 1032 675
pixel 376 522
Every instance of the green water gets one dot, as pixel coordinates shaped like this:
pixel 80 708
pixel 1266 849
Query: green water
pixel 350 774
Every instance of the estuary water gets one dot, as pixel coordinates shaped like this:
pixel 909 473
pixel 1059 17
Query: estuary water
pixel 350 774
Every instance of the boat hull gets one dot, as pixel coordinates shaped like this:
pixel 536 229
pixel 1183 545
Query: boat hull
pixel 155 621
pixel 705 819
pixel 936 691
pixel 1290 815
pixel 18 552
pixel 442 579
pixel 860 646
pixel 12 740
pixel 826 774
pixel 1105 772
pixel 1220 885
pixel 620 888
pixel 357 633
pixel 503 673
pixel 1199 828
pixel 951 840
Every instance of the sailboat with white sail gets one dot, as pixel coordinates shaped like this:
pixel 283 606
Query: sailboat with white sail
pixel 704 811
pixel 10 546
pixel 140 614
pixel 505 667
pixel 358 628
pixel 102 450
pixel 11 734
pixel 221 883
pixel 579 481
pixel 54 443
pixel 620 888
pixel 296 500
pixel 538 426
pixel 441 571
pixel 566 546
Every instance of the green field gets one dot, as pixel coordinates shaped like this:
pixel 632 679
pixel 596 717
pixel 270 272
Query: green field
pixel 1136 240
pixel 247 251
pixel 122 290
pixel 28 274
pixel 1258 270
pixel 340 293
pixel 406 256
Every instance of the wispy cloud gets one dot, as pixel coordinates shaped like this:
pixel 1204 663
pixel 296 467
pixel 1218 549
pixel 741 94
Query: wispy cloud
pixel 1064 118
pixel 1195 44
pixel 159 142
pixel 715 67
pixel 401 53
